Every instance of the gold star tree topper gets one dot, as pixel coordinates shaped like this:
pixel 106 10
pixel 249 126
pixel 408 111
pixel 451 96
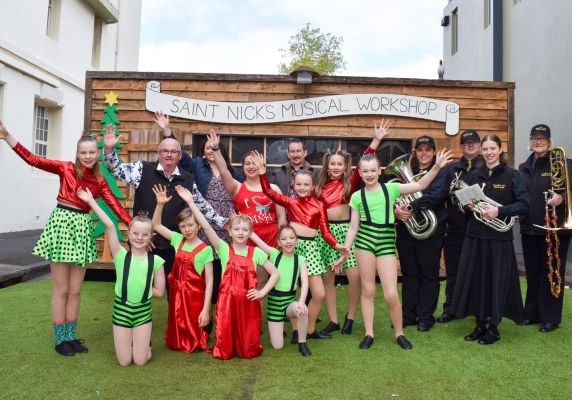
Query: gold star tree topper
pixel 111 98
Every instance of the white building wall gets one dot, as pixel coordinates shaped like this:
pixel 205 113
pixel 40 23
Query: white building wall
pixel 37 68
pixel 474 58
pixel 538 57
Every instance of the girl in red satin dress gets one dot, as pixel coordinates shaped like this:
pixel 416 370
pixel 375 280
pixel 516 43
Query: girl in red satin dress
pixel 238 312
pixel 190 280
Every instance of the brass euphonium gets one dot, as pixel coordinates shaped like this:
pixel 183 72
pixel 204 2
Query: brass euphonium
pixel 419 228
pixel 500 225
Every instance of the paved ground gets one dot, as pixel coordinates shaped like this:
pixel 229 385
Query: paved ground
pixel 17 263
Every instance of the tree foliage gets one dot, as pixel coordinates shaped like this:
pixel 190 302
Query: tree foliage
pixel 309 47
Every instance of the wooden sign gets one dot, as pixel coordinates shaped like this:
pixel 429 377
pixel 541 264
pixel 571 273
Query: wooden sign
pixel 264 112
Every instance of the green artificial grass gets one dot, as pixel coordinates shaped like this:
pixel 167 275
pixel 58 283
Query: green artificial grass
pixel 525 364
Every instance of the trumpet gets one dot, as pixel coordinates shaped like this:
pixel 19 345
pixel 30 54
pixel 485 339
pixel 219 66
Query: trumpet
pixel 419 228
pixel 558 181
pixel 481 206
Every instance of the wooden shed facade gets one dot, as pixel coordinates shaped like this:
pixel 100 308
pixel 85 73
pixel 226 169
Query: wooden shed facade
pixel 487 107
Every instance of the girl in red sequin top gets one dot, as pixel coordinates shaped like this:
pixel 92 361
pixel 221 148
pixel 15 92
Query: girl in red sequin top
pixel 67 240
pixel 306 214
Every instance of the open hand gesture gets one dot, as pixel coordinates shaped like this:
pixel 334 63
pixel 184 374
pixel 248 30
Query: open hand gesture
pixel 184 193
pixel 258 160
pixel 161 194
pixel 444 157
pixel 163 121
pixel 381 131
pixel 109 138
pixel 213 139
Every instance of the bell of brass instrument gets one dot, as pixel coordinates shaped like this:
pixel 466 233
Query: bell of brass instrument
pixel 500 225
pixel 420 228
pixel 559 183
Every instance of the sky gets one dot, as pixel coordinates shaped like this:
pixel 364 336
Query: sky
pixel 381 38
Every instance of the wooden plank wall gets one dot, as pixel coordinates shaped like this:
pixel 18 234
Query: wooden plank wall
pixel 484 106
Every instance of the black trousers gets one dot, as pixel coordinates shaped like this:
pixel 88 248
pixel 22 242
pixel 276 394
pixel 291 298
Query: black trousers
pixel 452 246
pixel 419 260
pixel 540 305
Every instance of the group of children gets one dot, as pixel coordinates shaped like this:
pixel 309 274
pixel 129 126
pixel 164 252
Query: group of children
pixel 301 257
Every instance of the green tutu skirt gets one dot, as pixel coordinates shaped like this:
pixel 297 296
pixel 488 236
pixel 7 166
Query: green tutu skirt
pixel 67 238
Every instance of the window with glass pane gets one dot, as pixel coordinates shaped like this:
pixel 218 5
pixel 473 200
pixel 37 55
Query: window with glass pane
pixel 276 149
pixel 41 131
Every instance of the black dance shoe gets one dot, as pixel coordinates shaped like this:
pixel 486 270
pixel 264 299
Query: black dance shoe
pixel 525 322
pixel 490 337
pixel 304 350
pixel 65 349
pixel 424 326
pixel 348 325
pixel 476 334
pixel 404 343
pixel 77 346
pixel 294 338
pixel 319 335
pixel 547 327
pixel 446 317
pixel 366 342
pixel 331 327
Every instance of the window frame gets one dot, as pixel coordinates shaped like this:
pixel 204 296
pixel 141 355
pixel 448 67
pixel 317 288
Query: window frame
pixel 53 19
pixel 39 120
pixel 455 31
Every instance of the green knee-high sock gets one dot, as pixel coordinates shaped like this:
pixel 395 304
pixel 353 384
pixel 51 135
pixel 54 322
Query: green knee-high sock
pixel 70 331
pixel 59 330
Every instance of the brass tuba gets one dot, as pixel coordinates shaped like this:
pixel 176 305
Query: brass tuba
pixel 500 225
pixel 420 229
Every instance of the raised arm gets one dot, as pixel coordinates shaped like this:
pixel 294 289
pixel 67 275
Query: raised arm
pixel 52 166
pixel 128 172
pixel 199 217
pixel 280 211
pixel 112 239
pixel 444 157
pixel 206 209
pixel 162 199
pixel 231 185
pixel 276 197
pixel 261 243
pixel 379 132
pixel 187 162
pixel 5 135
pixel 436 194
